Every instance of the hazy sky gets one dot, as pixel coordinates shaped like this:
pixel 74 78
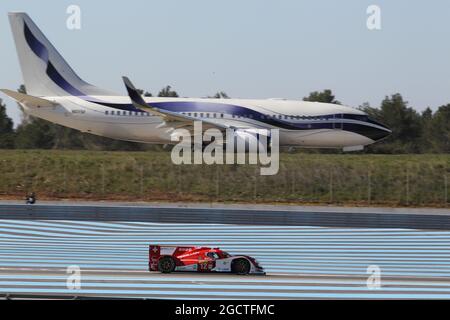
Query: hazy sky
pixel 249 49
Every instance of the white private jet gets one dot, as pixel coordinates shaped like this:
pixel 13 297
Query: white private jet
pixel 57 94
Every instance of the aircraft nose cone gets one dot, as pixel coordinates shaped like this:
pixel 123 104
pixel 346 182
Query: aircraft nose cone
pixel 376 134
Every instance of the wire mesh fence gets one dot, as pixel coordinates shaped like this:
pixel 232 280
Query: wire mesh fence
pixel 404 180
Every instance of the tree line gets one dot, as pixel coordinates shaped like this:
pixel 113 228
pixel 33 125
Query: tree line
pixel 413 132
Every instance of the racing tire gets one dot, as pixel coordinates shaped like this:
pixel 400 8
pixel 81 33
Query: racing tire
pixel 240 266
pixel 166 265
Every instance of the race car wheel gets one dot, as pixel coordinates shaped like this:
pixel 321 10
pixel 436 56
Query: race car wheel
pixel 166 265
pixel 240 266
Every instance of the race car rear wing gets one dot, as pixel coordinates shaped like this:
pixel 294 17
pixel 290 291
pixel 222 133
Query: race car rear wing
pixel 157 250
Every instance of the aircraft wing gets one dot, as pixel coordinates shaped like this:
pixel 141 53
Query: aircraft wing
pixel 30 101
pixel 172 119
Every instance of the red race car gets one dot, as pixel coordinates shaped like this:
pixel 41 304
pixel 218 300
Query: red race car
pixel 167 259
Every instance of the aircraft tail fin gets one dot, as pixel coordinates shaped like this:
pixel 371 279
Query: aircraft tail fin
pixel 44 70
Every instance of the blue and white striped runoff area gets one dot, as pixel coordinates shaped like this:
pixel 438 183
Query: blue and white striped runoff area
pixel 301 262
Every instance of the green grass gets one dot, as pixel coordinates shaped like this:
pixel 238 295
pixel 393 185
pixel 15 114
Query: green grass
pixel 398 180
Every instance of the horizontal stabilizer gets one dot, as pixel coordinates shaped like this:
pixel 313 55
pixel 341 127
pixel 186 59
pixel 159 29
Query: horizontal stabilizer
pixel 29 101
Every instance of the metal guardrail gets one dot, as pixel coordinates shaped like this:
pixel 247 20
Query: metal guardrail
pixel 226 216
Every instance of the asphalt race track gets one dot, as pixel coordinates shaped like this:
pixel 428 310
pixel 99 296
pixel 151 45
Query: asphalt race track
pixel 301 261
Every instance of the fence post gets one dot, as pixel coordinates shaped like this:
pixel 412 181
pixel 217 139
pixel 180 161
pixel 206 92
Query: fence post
pixel 217 183
pixel 26 182
pixel 369 186
pixel 407 185
pixel 255 190
pixel 294 176
pixel 141 171
pixel 179 188
pixel 64 177
pixel 103 178
pixel 445 189
pixel 331 185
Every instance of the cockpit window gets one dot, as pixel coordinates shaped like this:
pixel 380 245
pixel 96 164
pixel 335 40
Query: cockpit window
pixel 359 117
pixel 212 255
